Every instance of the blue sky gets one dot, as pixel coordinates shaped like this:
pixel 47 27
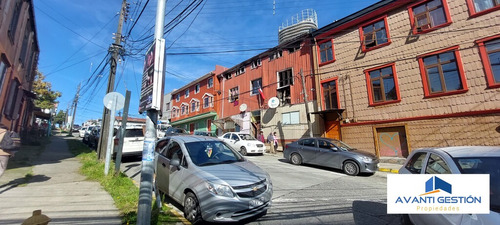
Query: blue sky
pixel 74 37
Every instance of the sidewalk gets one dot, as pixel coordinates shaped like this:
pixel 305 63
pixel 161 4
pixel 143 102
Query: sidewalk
pixel 57 189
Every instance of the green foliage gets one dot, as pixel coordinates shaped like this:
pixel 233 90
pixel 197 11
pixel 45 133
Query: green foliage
pixel 121 188
pixel 60 118
pixel 43 90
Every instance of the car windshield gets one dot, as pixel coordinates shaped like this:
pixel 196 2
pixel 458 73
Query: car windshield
pixel 134 133
pixel 484 165
pixel 246 137
pixel 206 153
pixel 341 145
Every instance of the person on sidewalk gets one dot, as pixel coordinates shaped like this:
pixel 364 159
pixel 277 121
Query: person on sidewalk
pixel 270 140
pixel 9 143
pixel 260 137
pixel 275 143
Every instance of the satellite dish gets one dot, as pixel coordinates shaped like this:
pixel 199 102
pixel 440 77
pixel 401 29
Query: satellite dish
pixel 243 107
pixel 273 102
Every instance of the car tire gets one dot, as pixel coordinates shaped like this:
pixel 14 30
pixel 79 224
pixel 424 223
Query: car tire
pixel 296 159
pixel 192 210
pixel 351 168
pixel 243 150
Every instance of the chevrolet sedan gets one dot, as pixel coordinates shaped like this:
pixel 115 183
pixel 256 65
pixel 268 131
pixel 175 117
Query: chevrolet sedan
pixel 330 153
pixel 210 180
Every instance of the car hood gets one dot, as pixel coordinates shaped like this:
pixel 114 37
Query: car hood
pixel 362 153
pixel 234 174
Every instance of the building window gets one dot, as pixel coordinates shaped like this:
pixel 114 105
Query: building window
pixel 330 95
pixel 14 21
pixel 374 34
pixel 256 63
pixel 290 118
pixel 275 55
pixel 13 100
pixel 4 65
pixel 240 71
pixel 24 47
pixel 285 80
pixel 197 88
pixel 442 73
pixel 210 82
pixel 256 85
pixel 208 100
pixel 177 97
pixel 186 93
pixel 382 85
pixel 184 109
pixel 489 49
pixel 228 76
pixel 429 15
pixel 480 7
pixel 175 112
pixel 326 52
pixel 234 94
pixel 195 105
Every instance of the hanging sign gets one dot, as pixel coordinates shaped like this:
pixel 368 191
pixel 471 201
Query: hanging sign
pixel 153 77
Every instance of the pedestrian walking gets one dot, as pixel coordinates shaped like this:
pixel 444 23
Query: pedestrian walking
pixel 260 137
pixel 275 143
pixel 9 144
pixel 270 140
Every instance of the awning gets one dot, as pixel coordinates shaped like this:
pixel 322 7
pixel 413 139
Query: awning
pixel 194 118
pixel 323 113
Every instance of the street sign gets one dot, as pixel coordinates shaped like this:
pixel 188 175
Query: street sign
pixel 153 77
pixel 108 100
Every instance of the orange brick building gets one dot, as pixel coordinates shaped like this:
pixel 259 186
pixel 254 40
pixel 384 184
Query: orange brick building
pixel 18 61
pixel 401 75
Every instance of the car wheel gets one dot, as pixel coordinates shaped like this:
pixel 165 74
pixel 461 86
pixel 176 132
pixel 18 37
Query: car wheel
pixel 192 210
pixel 296 159
pixel 351 168
pixel 243 150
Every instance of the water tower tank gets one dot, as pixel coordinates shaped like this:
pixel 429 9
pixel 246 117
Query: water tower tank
pixel 304 22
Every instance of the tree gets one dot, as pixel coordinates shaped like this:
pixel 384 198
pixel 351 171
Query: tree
pixel 60 118
pixel 46 97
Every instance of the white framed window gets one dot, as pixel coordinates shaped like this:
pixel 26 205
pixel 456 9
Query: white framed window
pixel 184 108
pixel 197 88
pixel 255 86
pixel 177 97
pixel 291 118
pixel 186 93
pixel 240 71
pixel 234 94
pixel 195 105
pixel 256 63
pixel 3 71
pixel 210 82
pixel 175 111
pixel 208 100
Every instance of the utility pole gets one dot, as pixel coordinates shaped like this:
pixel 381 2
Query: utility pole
pixel 308 116
pixel 75 103
pixel 115 51
pixel 147 171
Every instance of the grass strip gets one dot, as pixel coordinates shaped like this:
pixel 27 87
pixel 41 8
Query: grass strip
pixel 121 188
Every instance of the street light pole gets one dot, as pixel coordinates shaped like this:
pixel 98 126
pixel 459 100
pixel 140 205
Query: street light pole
pixel 147 171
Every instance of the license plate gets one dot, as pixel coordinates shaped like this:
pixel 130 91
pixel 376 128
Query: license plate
pixel 255 203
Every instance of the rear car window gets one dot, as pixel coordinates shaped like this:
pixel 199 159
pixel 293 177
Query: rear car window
pixel 416 162
pixel 134 133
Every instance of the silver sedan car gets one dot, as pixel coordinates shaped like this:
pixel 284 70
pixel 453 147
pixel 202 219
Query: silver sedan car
pixel 210 180
pixel 330 153
pixel 458 160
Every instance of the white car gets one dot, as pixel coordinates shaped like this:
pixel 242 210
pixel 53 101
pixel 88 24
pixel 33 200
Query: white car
pixel 82 131
pixel 133 141
pixel 244 143
pixel 458 160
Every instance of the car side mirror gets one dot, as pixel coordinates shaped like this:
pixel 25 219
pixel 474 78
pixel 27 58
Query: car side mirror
pixel 175 162
pixel 335 149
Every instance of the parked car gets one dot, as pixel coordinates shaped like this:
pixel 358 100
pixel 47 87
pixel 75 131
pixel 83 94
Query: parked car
pixel 93 137
pixel 458 160
pixel 86 135
pixel 133 141
pixel 175 131
pixel 330 153
pixel 210 180
pixel 81 132
pixel 203 133
pixel 245 143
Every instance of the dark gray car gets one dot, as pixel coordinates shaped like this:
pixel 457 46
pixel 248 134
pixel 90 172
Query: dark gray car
pixel 210 180
pixel 330 153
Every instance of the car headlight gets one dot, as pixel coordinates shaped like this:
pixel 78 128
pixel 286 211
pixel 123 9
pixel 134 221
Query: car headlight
pixel 366 159
pixel 249 144
pixel 220 189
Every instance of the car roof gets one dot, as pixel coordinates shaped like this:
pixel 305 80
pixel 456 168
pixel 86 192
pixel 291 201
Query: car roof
pixel 191 138
pixel 467 151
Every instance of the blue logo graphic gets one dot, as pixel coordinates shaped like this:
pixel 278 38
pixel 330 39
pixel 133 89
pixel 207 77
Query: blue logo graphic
pixel 435 185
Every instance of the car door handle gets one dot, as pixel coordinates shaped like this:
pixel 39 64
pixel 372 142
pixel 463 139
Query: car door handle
pixel 164 165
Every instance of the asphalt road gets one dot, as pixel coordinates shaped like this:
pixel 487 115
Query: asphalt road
pixel 313 195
